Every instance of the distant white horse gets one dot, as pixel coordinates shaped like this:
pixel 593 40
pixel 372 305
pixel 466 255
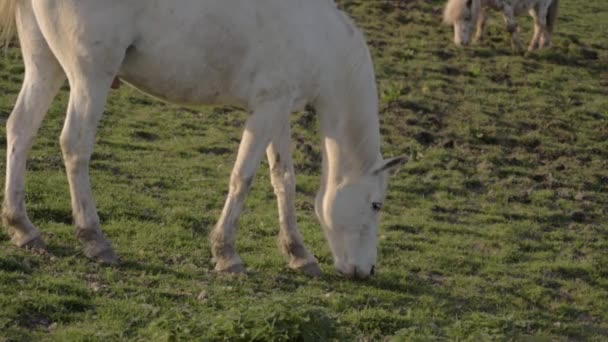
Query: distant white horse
pixel 468 16
pixel 269 56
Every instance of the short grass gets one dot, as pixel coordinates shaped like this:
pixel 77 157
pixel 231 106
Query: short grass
pixel 496 230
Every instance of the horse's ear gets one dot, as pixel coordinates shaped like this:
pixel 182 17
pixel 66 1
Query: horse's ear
pixel 392 165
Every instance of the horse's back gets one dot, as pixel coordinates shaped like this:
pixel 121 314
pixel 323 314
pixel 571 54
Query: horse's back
pixel 218 51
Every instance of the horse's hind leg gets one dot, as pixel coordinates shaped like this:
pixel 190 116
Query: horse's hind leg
pixel 42 80
pixel 283 181
pixel 91 60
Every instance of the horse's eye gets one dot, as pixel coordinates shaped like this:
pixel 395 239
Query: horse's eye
pixel 376 206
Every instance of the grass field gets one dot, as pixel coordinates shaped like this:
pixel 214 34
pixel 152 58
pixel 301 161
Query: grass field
pixel 495 230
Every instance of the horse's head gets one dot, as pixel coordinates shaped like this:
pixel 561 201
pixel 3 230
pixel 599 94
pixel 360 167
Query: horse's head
pixel 349 214
pixel 462 15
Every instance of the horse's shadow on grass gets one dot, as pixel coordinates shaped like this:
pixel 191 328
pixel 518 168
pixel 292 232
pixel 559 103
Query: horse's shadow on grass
pixel 126 264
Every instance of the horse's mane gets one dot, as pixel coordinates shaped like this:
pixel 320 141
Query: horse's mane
pixel 453 10
pixel 363 128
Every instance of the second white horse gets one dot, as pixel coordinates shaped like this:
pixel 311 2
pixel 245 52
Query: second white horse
pixel 469 16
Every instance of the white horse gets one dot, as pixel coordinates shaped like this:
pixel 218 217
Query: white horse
pixel 468 16
pixel 269 56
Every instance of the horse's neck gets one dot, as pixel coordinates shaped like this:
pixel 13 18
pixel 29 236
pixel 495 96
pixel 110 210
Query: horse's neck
pixel 350 128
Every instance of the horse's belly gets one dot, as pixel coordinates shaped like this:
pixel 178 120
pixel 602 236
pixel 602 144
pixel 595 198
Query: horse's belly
pixel 188 56
pixel 167 88
pixel 180 78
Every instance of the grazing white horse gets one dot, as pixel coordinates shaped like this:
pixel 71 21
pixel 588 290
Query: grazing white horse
pixel 468 16
pixel 269 56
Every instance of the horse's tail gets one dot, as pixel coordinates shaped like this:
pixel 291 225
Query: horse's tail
pixel 552 15
pixel 7 21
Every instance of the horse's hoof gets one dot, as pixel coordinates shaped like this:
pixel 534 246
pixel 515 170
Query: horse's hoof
pixel 35 244
pixel 96 246
pixel 101 253
pixel 106 257
pixel 232 269
pixel 311 269
pixel 32 243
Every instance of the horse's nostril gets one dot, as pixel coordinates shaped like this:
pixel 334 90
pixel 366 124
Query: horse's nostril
pixel 373 270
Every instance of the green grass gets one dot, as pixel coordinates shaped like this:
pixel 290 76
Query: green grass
pixel 496 230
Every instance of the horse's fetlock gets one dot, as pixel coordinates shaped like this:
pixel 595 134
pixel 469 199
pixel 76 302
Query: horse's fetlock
pixel 292 247
pixel 295 249
pixel 10 219
pixel 13 217
pixel 221 245
pixel 89 234
pixel 222 251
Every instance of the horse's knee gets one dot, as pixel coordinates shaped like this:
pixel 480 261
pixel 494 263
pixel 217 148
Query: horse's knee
pixel 15 133
pixel 240 183
pixel 74 148
pixel 66 144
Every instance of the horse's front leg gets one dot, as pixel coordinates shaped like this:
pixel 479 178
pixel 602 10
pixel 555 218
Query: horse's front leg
pixel 544 18
pixel 538 29
pixel 481 26
pixel 512 27
pixel 283 181
pixel 87 99
pixel 258 132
